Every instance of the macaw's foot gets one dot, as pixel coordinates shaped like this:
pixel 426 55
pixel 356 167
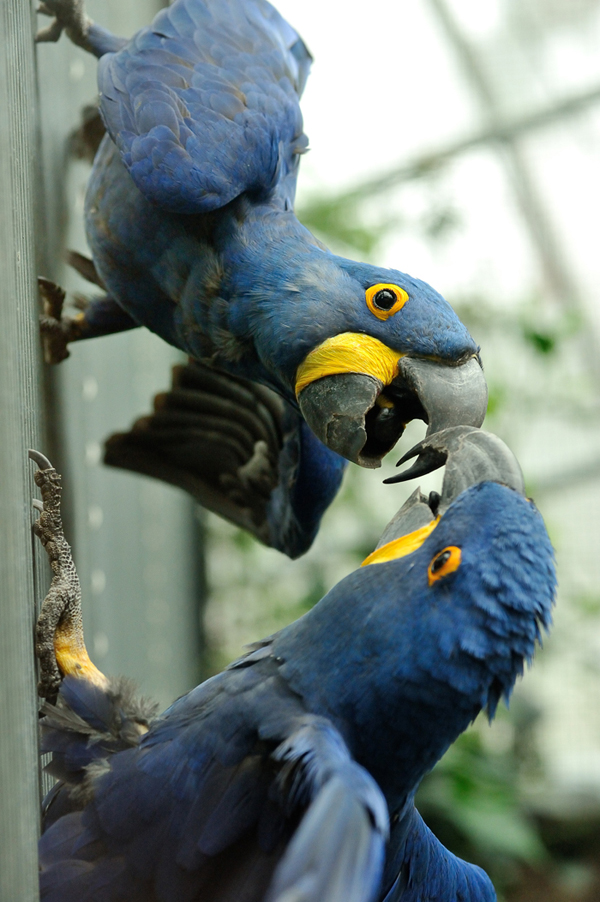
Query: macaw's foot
pixel 85 267
pixel 69 15
pixel 98 316
pixel 215 436
pixel 57 330
pixel 60 647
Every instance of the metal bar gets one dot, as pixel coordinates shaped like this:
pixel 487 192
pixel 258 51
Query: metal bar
pixel 19 400
pixel 502 130
pixel 567 478
pixel 560 282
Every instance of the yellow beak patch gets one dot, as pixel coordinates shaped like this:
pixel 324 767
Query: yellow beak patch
pixel 398 548
pixel 349 352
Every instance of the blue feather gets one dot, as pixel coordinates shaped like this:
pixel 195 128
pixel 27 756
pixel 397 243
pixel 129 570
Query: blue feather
pixel 279 778
pixel 189 216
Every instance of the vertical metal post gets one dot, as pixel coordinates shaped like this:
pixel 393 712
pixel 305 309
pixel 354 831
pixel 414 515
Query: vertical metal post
pixel 19 394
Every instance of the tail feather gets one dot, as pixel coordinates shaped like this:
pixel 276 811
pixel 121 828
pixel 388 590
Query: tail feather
pixel 85 727
pixel 92 721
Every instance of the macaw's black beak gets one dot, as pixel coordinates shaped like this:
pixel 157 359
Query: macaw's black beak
pixel 362 418
pixel 470 455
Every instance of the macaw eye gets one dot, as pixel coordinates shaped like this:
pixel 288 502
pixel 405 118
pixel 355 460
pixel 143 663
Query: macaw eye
pixel 447 561
pixel 385 300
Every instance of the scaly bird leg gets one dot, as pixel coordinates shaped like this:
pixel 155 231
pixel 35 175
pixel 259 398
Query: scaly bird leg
pixel 57 330
pixel 59 646
pixel 97 317
pixel 70 16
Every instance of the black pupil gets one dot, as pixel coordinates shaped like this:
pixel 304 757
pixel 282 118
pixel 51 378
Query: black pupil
pixel 384 299
pixel 440 561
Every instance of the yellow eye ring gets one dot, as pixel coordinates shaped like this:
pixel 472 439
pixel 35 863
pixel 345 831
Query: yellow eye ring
pixel 383 300
pixel 445 562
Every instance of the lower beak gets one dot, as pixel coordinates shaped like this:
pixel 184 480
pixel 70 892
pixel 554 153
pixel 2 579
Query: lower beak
pixel 471 456
pixel 360 418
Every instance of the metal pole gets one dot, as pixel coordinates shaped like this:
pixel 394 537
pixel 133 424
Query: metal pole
pixel 501 130
pixel 19 394
pixel 560 280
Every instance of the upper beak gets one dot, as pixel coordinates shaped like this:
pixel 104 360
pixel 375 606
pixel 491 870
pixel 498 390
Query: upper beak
pixel 471 456
pixel 362 416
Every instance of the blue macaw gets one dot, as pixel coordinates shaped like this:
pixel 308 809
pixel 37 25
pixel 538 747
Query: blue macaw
pixel 292 774
pixel 190 219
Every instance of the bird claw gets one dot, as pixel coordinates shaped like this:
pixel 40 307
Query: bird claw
pixel 69 15
pixel 56 330
pixel 48 529
pixel 51 33
pixel 59 644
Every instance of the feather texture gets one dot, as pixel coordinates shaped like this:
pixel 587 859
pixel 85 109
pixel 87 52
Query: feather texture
pixel 190 220
pixel 278 779
pixel 203 104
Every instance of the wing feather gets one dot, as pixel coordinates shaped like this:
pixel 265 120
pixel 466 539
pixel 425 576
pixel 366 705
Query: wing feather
pixel 203 104
pixel 240 451
pixel 235 783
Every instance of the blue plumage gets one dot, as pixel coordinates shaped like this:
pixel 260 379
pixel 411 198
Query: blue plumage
pixel 292 773
pixel 190 219
pixel 203 104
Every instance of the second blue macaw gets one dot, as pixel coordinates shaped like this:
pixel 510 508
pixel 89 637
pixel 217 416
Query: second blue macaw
pixel 190 219
pixel 292 774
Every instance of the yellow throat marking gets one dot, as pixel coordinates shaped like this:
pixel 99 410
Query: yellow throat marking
pixel 401 547
pixel 349 352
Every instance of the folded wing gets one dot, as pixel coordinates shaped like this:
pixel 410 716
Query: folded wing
pixel 203 104
pixel 240 450
pixel 236 793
